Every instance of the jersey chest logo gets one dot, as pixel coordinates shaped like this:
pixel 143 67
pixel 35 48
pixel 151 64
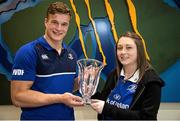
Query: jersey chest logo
pixel 70 56
pixel 44 56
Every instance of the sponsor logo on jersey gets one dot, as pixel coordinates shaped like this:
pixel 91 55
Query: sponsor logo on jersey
pixel 117 97
pixel 117 104
pixel 18 72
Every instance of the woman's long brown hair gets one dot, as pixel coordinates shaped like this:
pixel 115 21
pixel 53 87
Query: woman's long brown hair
pixel 142 62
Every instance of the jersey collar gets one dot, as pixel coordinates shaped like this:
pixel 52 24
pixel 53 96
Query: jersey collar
pixel 45 44
pixel 133 78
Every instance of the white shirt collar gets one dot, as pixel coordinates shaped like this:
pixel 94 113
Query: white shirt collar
pixel 133 78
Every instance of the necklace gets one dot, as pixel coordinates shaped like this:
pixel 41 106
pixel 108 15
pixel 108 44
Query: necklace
pixel 129 76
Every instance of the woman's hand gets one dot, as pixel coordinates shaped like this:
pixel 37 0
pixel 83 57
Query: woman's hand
pixel 97 105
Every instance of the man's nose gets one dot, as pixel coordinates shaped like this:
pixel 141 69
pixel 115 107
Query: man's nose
pixel 59 27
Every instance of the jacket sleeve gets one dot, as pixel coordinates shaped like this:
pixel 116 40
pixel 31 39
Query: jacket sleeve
pixel 146 109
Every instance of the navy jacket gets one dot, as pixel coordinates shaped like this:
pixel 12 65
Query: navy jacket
pixel 145 103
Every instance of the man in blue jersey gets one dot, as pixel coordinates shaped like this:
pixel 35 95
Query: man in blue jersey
pixel 44 71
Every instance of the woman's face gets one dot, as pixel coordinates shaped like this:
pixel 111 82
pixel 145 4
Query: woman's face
pixel 127 51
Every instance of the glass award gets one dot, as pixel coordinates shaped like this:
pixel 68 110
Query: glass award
pixel 89 73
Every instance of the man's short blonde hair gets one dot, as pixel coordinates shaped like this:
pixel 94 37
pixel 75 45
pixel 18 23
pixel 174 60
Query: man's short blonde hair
pixel 58 7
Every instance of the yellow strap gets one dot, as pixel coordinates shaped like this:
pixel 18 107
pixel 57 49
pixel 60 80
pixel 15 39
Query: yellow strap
pixel 111 18
pixel 96 34
pixel 79 28
pixel 132 12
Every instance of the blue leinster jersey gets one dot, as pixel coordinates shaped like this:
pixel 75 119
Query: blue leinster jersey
pixel 51 73
pixel 122 95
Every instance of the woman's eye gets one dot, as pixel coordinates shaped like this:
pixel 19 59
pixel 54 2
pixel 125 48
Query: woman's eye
pixel 128 47
pixel 119 48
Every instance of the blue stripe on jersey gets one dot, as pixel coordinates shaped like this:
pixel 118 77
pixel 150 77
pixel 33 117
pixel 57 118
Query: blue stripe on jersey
pixel 55 74
pixel 54 84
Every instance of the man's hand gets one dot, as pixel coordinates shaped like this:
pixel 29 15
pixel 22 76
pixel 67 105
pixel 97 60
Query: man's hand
pixel 71 100
pixel 97 105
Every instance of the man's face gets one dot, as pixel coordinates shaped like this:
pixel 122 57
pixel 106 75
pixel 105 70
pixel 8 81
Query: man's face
pixel 56 26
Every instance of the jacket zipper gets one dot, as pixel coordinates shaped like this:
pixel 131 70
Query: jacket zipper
pixel 137 97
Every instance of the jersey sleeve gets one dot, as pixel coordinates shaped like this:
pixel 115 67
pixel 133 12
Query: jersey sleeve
pixel 24 66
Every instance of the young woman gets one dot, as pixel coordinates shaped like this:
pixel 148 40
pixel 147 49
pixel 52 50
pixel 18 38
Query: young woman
pixel 133 89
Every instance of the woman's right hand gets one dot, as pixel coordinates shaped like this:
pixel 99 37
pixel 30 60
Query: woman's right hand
pixel 97 105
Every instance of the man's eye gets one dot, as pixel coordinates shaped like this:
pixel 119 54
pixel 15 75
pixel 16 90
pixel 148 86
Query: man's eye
pixel 54 22
pixel 64 24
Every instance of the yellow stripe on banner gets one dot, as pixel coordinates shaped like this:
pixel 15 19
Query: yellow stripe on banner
pixel 132 12
pixel 79 28
pixel 111 18
pixel 96 34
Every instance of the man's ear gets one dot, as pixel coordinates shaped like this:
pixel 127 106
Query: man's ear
pixel 45 19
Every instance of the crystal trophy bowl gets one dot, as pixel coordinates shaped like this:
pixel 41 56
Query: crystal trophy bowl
pixel 89 73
